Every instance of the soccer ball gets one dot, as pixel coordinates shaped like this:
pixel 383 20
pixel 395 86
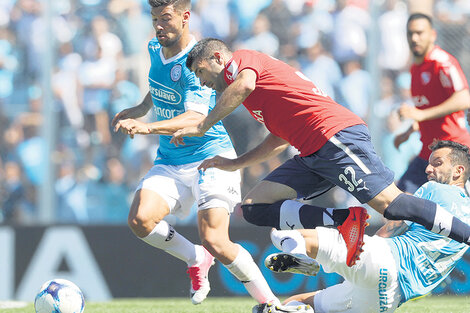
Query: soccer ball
pixel 59 296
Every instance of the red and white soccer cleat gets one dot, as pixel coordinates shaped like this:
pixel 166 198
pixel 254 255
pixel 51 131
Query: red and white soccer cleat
pixel 352 231
pixel 200 286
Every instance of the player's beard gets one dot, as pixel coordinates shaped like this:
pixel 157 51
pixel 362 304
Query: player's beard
pixel 170 41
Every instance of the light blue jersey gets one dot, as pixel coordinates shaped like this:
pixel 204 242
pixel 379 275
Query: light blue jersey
pixel 175 90
pixel 425 258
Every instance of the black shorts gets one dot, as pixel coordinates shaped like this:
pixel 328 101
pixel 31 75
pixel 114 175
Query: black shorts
pixel 347 160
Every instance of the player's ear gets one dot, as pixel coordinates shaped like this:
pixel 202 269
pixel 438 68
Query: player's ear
pixel 219 58
pixel 459 171
pixel 186 16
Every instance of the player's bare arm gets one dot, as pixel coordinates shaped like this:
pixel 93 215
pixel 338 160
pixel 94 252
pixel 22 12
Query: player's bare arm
pixel 231 98
pixel 459 101
pixel 126 119
pixel 392 229
pixel 270 147
pixel 401 138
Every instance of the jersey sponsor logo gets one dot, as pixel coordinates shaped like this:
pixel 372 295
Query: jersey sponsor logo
pixel 167 113
pixel 420 101
pixel 175 72
pixel 163 93
pixel 425 78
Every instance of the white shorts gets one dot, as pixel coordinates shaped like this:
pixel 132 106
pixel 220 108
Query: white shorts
pixel 370 286
pixel 181 185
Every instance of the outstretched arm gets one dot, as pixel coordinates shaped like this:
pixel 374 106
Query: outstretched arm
pixel 392 229
pixel 270 147
pixel 231 98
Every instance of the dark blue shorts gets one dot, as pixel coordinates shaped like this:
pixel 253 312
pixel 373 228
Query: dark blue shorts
pixel 414 176
pixel 347 160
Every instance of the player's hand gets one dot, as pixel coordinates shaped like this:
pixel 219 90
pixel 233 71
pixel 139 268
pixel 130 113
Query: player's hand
pixel 131 127
pixel 401 138
pixel 220 163
pixel 124 114
pixel 192 131
pixel 407 111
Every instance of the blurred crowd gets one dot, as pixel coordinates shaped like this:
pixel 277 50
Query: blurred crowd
pixel 101 64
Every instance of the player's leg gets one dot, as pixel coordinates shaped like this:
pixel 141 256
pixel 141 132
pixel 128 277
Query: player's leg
pixel 293 258
pixel 270 202
pixel 213 230
pixel 218 192
pixel 156 197
pixel 396 205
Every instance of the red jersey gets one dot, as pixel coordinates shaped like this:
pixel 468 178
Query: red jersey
pixel 288 103
pixel 433 82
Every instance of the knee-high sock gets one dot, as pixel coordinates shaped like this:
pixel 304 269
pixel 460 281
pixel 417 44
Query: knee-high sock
pixel 165 237
pixel 290 241
pixel 428 214
pixel 290 214
pixel 246 271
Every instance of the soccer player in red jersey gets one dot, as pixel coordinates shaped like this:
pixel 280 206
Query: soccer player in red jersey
pixel 334 144
pixel 440 93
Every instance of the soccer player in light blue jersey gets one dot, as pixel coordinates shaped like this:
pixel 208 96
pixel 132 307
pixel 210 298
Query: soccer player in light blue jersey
pixel 402 261
pixel 174 183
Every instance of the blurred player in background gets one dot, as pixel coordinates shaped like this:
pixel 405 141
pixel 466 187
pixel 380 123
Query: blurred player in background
pixel 409 264
pixel 174 182
pixel 334 145
pixel 440 93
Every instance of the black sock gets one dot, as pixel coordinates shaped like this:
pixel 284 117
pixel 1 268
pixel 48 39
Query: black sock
pixel 428 214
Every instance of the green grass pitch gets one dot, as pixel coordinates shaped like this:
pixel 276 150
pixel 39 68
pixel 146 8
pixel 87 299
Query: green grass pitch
pixel 434 304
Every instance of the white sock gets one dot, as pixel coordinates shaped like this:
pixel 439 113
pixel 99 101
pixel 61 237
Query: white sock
pixel 246 271
pixel 165 237
pixel 290 241
pixel 289 216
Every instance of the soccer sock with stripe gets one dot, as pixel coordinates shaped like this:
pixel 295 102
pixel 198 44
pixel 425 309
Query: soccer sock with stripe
pixel 291 214
pixel 247 272
pixel 165 237
pixel 428 214
pixel 290 241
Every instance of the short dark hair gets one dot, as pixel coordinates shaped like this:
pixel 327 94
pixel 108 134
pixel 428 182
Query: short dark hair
pixel 459 154
pixel 180 4
pixel 204 49
pixel 418 16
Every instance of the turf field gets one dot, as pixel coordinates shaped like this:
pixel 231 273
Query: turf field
pixel 434 304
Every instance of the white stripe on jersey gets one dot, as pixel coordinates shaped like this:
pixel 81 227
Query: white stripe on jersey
pixel 351 154
pixel 457 80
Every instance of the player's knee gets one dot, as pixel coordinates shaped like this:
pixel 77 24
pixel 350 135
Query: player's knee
pixel 140 224
pixel 255 213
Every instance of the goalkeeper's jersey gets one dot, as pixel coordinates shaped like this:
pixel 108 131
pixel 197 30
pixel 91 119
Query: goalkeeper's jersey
pixel 425 258
pixel 175 90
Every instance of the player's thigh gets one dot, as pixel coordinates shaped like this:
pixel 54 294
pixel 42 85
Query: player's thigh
pixel 162 191
pixel 293 179
pixel 214 188
pixel 376 260
pixel 349 161
pixel 348 298
pixel 213 224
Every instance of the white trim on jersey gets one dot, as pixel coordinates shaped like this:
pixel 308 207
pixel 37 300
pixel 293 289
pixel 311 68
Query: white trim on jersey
pixel 456 79
pixel 197 107
pixel 182 53
pixel 351 154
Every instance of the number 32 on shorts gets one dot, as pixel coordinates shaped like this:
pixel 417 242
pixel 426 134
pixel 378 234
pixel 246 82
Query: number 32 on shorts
pixel 351 182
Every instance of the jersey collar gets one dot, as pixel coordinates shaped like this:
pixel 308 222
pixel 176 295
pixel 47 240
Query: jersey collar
pixel 180 54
